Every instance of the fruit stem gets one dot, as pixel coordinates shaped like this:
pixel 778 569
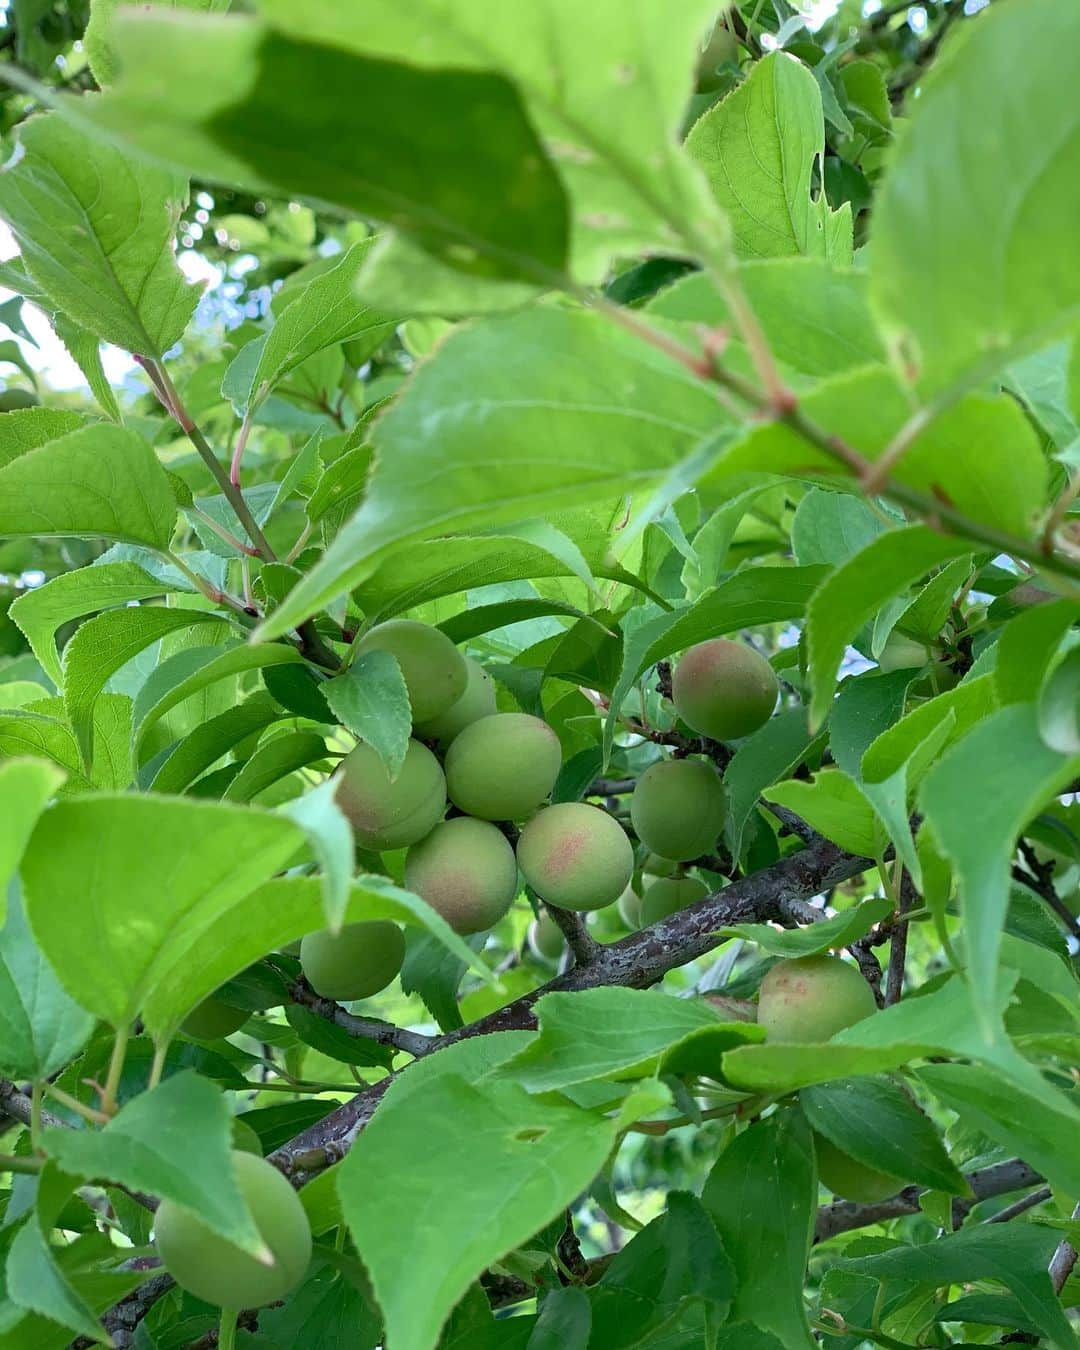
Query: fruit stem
pixel 116 1068
pixel 157 1065
pixel 227 1329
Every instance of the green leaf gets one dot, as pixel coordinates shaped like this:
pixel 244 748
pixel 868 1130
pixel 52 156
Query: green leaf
pixel 100 480
pixel 836 806
pixel 104 644
pixel 207 743
pixel 175 1142
pixel 1042 1131
pixel 965 705
pixel 97 40
pixel 275 759
pixel 757 148
pixel 615 1033
pixel 976 800
pixel 196 668
pixel 1014 1254
pixel 71 595
pixel 507 1163
pixel 372 701
pixel 770 753
pixel 966 268
pixel 103 258
pixel 330 838
pixel 489 205
pixel 325 312
pixel 828 934
pixel 565 1321
pixel 762 1196
pixel 875 1122
pixel 25 786
pixel 35 1280
pixel 865 707
pixel 1027 646
pixel 95 899
pixel 546 376
pixel 329 1039
pixel 28 428
pixel 41 1029
pixel 816 317
pixel 829 527
pixel 856 591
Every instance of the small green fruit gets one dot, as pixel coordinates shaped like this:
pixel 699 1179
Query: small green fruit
pixel 840 1173
pixel 812 998
pixel 545 938
pixel 212 1019
pixel 434 670
pixel 477 701
pixel 575 856
pixel 655 866
pixel 724 689
pixel 902 653
pixel 629 907
pixel 677 808
pixel 217 1272
pixel 355 963
pixel 466 870
pixel 667 895
pixel 503 767
pixel 385 814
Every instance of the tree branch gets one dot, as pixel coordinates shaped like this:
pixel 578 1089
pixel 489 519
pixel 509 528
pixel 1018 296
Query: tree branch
pixel 1063 1261
pixel 636 962
pixel 578 938
pixel 844 1215
pixel 894 980
pixel 366 1028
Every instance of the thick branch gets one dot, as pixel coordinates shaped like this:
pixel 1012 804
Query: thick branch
pixel 636 961
pixel 367 1028
pixel 1000 1179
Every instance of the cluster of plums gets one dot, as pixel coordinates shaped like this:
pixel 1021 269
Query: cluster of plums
pixel 498 769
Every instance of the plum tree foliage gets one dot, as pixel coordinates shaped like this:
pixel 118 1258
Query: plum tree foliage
pixel 539 752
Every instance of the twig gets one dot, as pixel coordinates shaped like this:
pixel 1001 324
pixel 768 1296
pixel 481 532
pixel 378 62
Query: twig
pixel 578 938
pixel 894 981
pixel 1039 879
pixel 1064 1260
pixel 1021 1206
pixel 611 787
pixel 366 1028
pixel 19 1107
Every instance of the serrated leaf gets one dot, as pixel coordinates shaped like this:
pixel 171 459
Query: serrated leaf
pixel 866 706
pixel 28 428
pixel 774 750
pixel 99 480
pixel 762 1196
pixel 1027 646
pixel 276 758
pixel 41 1028
pixel 331 839
pixel 976 800
pixel 613 414
pixel 25 786
pixel 509 1160
pixel 103 258
pixel 757 148
pixel 371 699
pixel 854 593
pixel 837 807
pixel 841 930
pixel 965 705
pixel 97 39
pixel 963 286
pixel 104 644
pixel 875 1122
pixel 149 1146
pixel 71 595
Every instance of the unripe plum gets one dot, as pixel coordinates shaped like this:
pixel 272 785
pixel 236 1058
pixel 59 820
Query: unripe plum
pixel 667 895
pixel 434 670
pixel 545 938
pixel 724 689
pixel 677 808
pixel 477 701
pixel 812 998
pixel 575 856
pixel 902 653
pixel 655 866
pixel 212 1019
pixel 355 963
pixel 629 907
pixel 217 1272
pixel 385 814
pixel 842 1174
pixel 466 870
pixel 503 767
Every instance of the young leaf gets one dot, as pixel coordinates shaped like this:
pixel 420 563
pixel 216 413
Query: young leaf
pixel 762 1196
pixel 174 1142
pixel 372 701
pixel 103 258
pixel 757 148
pixel 828 934
pixel 99 480
pixel 875 1122
pixel 770 753
pixel 278 756
pixel 508 1161
pixel 25 786
pixel 836 806
pixel 330 838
